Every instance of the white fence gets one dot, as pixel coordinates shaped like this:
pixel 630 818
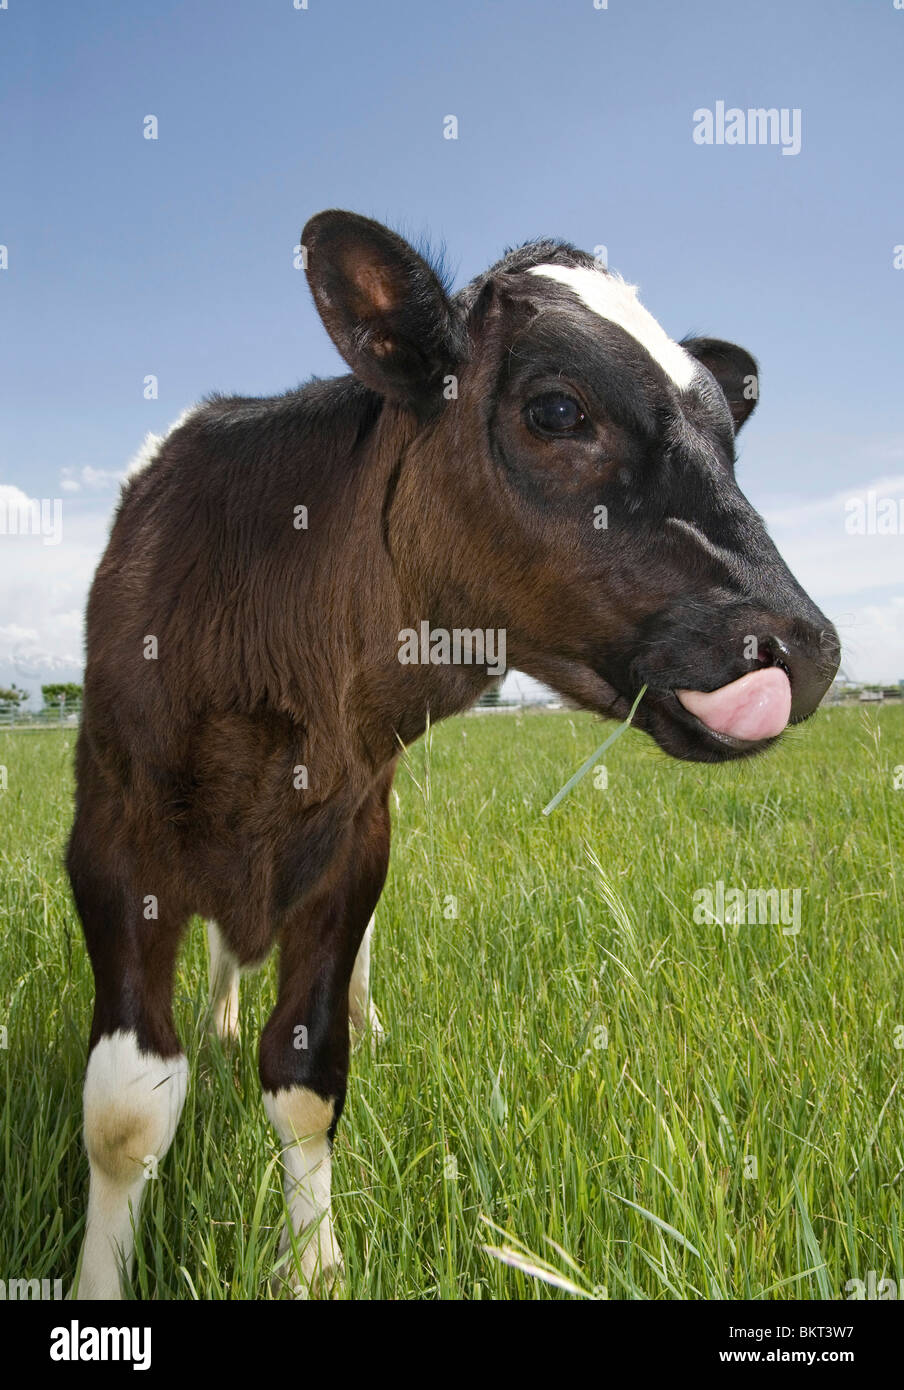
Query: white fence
pixel 50 717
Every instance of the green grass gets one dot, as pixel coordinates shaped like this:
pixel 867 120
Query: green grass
pixel 510 947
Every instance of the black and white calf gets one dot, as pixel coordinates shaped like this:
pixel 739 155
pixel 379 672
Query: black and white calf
pixel 244 700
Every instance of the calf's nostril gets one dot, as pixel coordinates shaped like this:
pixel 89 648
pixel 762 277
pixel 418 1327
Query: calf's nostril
pixel 772 651
pixel 801 658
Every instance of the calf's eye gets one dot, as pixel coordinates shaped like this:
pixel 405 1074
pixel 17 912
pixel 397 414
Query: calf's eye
pixel 554 413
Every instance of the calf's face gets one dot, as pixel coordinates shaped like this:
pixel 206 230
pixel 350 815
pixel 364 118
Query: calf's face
pixel 597 456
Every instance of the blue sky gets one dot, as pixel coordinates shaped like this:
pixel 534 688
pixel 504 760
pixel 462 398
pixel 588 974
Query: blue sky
pixel 174 257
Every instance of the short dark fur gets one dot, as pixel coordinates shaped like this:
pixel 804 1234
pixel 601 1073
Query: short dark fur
pixel 278 647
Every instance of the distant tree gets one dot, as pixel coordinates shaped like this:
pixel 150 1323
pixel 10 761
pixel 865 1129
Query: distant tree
pixel 70 692
pixel 12 695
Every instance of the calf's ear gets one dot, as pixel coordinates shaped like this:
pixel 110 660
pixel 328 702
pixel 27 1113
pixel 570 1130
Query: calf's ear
pixel 735 371
pixel 383 306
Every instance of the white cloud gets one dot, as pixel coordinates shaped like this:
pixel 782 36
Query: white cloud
pixel 90 479
pixel 816 540
pixel 12 496
pixel 872 635
pixel 858 580
pixel 43 590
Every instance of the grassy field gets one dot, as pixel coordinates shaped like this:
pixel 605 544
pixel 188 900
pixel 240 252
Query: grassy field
pixel 575 1069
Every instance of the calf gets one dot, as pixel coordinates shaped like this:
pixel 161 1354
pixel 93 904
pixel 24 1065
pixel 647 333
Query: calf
pixel 533 457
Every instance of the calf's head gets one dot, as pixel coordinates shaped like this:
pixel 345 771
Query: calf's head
pixel 575 471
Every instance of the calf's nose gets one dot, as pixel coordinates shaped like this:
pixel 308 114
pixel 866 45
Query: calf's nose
pixel 809 655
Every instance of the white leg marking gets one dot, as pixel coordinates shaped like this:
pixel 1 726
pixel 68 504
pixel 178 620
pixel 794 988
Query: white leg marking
pixel 224 984
pixel 132 1101
pixel 301 1118
pixel 610 297
pixel 361 1009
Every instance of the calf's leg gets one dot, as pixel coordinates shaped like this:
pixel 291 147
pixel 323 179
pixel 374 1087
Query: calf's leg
pixel 224 984
pixel 305 1046
pixel 361 1008
pixel 137 1074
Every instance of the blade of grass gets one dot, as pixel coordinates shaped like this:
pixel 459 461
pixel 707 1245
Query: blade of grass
pixel 585 767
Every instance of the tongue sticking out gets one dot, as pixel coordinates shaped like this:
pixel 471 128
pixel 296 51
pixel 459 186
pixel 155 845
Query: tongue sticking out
pixel 754 707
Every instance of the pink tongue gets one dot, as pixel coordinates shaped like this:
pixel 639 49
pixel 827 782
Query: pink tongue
pixel 756 706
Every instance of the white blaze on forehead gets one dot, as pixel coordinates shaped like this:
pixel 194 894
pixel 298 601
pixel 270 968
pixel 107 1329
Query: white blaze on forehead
pixel 613 299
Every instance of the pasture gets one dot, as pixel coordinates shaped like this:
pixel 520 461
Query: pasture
pixel 574 1069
